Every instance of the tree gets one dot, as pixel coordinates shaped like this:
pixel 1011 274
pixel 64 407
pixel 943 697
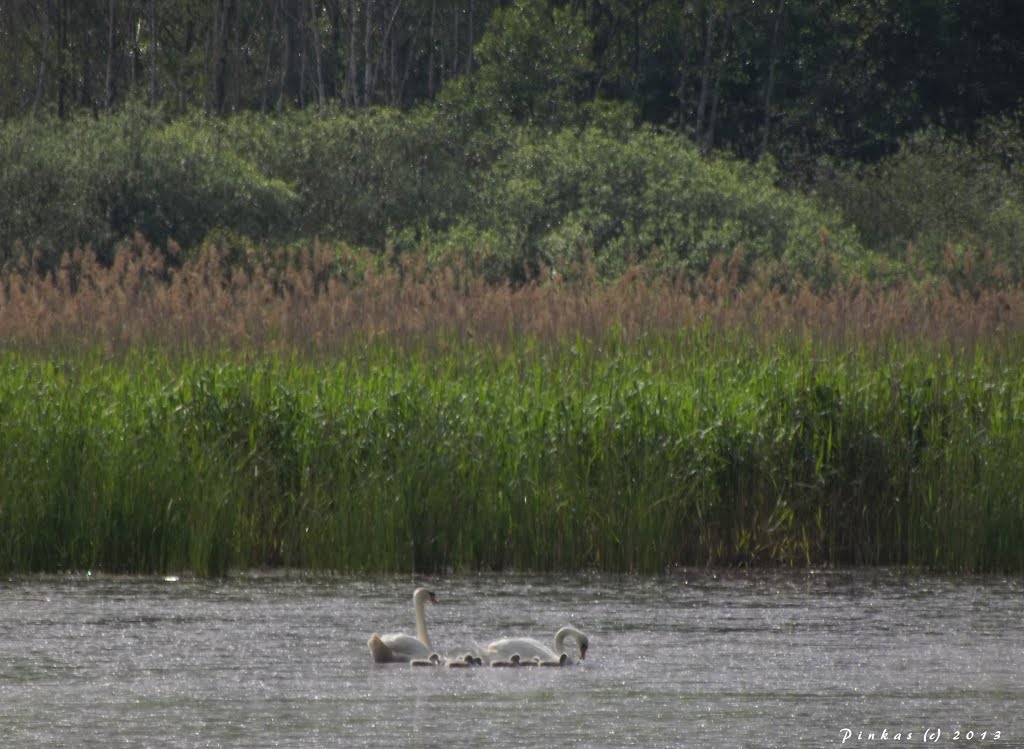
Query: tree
pixel 534 67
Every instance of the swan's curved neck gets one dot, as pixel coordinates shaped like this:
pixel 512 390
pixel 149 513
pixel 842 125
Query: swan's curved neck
pixel 421 622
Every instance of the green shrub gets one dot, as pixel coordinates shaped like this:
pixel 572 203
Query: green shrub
pixel 553 199
pixel 940 198
pixel 98 182
pixel 362 178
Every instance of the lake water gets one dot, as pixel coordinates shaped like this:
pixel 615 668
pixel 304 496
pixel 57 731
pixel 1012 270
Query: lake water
pixel 692 659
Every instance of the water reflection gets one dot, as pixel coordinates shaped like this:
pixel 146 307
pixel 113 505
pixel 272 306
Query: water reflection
pixel 689 659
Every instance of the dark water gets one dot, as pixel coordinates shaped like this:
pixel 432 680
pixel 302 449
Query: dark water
pixel 695 659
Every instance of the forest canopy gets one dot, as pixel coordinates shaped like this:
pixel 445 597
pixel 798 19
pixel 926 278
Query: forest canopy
pixel 873 136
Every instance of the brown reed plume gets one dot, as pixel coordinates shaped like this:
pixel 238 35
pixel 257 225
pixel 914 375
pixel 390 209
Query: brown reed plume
pixel 320 300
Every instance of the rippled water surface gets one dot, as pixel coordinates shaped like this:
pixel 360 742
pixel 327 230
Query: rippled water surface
pixel 695 659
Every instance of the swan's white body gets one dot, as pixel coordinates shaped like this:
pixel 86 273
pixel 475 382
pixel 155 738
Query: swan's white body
pixel 528 648
pixel 400 647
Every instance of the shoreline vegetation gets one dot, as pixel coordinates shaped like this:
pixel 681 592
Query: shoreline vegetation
pixel 531 285
pixel 318 411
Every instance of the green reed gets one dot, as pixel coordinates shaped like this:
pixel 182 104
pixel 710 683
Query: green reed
pixel 638 456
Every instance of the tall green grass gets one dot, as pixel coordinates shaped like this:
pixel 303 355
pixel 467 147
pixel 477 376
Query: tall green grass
pixel 636 456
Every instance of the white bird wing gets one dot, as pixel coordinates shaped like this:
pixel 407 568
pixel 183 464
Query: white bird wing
pixel 525 647
pixel 405 646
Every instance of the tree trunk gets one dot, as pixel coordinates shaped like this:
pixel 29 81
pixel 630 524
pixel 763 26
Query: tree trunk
pixel 286 58
pixel 709 133
pixel 387 47
pixel 410 59
pixel 430 55
pixel 637 44
pixel 773 59
pixel 81 56
pixel 63 84
pixel 108 87
pixel 393 71
pixel 469 41
pixel 455 44
pixel 334 85
pixel 351 95
pixel 300 38
pixel 681 98
pixel 314 19
pixel 721 59
pixel 267 59
pixel 153 60
pixel 218 55
pixel 134 53
pixel 705 76
pixel 368 56
pixel 43 50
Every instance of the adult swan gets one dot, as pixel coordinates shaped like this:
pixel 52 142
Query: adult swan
pixel 528 648
pixel 400 647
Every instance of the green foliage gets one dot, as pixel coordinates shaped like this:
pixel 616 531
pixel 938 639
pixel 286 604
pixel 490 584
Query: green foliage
pixel 520 199
pixel 940 197
pixel 361 178
pixel 797 79
pixel 559 200
pixel 615 458
pixel 601 196
pixel 97 182
pixel 190 179
pixel 534 61
pixel 47 188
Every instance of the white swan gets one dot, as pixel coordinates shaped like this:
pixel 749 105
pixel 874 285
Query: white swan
pixel 400 647
pixel 528 648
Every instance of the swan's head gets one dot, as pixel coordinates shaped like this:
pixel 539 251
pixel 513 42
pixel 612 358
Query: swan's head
pixel 581 639
pixel 422 596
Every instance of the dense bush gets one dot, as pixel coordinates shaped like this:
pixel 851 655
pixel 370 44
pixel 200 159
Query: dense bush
pixel 514 199
pixel 98 182
pixel 946 204
pixel 360 178
pixel 556 199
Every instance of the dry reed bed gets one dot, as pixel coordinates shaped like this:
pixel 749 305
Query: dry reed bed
pixel 315 301
pixel 302 410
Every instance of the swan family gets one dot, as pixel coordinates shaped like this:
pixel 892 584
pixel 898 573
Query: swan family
pixel 531 650
pixel 505 652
